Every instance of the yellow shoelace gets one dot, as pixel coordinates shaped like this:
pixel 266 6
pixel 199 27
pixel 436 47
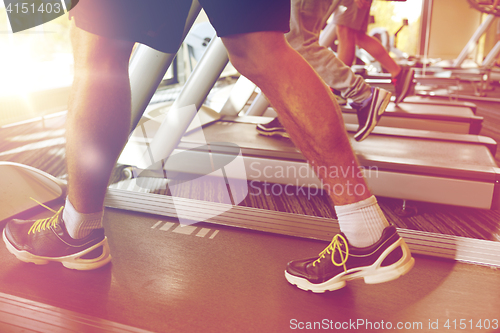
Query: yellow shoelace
pixel 45 223
pixel 335 245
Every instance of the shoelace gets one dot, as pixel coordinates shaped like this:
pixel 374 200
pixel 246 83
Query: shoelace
pixel 41 224
pixel 335 245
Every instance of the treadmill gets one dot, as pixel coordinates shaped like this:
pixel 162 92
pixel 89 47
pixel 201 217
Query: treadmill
pixel 459 81
pixel 414 114
pixel 444 118
pixel 433 169
pixel 147 68
pixel 453 169
pixel 383 80
pixel 473 169
pixel 418 168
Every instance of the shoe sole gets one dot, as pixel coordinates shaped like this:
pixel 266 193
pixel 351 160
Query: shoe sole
pixel 271 133
pixel 374 117
pixel 372 274
pixel 73 261
pixel 406 86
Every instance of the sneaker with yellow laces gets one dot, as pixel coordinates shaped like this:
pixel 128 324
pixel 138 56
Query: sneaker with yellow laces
pixel 44 240
pixel 386 260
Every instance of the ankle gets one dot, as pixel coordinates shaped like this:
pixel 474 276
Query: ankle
pixel 362 222
pixel 396 74
pixel 78 224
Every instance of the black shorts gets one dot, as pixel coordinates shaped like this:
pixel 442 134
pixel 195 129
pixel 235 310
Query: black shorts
pixel 160 23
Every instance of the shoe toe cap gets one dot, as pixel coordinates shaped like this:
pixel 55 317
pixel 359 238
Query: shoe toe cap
pixel 16 232
pixel 301 268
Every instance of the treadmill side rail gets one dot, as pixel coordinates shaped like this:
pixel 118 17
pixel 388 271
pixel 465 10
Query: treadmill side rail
pixel 495 204
pixel 20 182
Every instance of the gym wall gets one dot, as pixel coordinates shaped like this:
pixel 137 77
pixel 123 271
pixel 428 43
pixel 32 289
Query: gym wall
pixel 453 23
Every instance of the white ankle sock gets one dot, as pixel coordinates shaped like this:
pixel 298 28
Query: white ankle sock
pixel 362 222
pixel 80 225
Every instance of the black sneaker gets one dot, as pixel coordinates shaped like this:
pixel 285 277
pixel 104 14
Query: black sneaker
pixel 273 128
pixel 44 240
pixel 403 83
pixel 383 261
pixel 370 111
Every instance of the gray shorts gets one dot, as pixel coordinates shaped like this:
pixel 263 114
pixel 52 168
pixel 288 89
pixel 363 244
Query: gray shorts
pixel 352 17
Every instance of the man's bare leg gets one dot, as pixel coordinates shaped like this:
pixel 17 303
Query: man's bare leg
pixel 402 77
pixel 98 122
pixel 97 127
pixel 349 38
pixel 376 50
pixel 347 44
pixel 312 117
pixel 305 105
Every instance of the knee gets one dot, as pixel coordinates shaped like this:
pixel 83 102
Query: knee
pixel 361 38
pixel 344 33
pixel 252 53
pixel 99 54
